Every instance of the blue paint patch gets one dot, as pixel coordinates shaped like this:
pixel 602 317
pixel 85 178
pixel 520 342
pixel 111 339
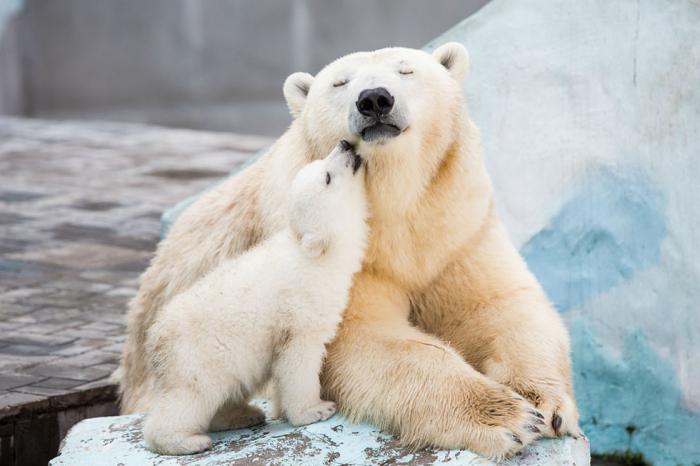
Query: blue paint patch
pixel 11 266
pixel 610 229
pixel 632 402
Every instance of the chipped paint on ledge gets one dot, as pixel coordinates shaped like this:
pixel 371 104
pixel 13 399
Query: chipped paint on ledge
pixel 119 439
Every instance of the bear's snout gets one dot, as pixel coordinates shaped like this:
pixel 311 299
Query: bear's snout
pixel 375 102
pixel 377 117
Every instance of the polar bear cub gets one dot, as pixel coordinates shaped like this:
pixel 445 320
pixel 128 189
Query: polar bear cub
pixel 266 314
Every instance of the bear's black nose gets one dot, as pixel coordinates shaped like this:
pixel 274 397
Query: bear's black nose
pixel 375 102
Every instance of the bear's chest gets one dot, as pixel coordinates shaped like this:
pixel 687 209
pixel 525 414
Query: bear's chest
pixel 414 248
pixel 409 252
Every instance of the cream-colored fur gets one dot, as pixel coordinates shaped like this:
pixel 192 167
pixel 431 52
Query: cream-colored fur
pixel 446 330
pixel 267 313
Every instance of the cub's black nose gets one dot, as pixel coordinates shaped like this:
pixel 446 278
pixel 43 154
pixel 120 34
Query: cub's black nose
pixel 346 146
pixel 375 102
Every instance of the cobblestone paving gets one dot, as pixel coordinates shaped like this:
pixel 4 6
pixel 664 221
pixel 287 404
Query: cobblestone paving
pixel 80 205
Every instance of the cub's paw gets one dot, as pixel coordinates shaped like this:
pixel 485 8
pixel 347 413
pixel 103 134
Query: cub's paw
pixel 193 444
pixel 237 417
pixel 179 444
pixel 319 412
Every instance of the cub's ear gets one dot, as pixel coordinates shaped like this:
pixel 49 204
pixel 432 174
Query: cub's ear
pixel 314 245
pixel 455 58
pixel 296 89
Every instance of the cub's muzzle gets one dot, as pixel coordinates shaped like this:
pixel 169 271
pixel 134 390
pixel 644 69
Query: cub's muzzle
pixel 353 159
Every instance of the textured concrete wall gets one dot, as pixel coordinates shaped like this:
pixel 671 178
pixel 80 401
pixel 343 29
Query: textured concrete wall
pixel 214 64
pixel 590 117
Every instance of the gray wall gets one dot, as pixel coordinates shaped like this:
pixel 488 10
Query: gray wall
pixel 214 64
pixel 11 89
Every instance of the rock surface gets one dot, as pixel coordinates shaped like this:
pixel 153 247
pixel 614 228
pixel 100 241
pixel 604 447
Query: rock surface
pixel 115 440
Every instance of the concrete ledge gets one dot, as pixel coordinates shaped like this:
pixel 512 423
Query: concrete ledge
pixel 119 440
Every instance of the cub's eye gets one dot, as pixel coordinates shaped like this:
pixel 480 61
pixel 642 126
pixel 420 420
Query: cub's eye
pixel 340 83
pixel 405 71
pixel 328 178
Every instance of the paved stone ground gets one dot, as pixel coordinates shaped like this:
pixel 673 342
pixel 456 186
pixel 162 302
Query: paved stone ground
pixel 80 206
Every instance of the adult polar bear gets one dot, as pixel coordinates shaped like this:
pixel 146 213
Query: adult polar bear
pixel 446 327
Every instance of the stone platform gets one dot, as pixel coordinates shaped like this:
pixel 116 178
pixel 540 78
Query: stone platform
pixel 80 206
pixel 119 440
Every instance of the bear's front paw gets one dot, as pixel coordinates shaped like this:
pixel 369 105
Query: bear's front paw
pixel 522 425
pixel 560 414
pixel 505 423
pixel 318 412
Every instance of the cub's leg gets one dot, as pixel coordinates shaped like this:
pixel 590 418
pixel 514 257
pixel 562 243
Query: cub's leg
pixel 296 378
pixel 236 415
pixel 494 312
pixel 179 419
pixel 383 370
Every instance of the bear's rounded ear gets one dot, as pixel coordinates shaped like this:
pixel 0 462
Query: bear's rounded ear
pixel 455 58
pixel 296 89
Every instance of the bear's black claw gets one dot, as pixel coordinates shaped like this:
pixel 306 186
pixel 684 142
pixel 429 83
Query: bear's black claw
pixel 556 422
pixel 532 428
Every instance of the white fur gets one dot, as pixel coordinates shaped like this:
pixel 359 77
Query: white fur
pixel 265 314
pixel 444 309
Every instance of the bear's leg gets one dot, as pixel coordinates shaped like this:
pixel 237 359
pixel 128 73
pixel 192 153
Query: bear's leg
pixel 530 354
pixel 383 370
pixel 234 414
pixel 222 224
pixel 296 378
pixel 493 311
pixel 179 419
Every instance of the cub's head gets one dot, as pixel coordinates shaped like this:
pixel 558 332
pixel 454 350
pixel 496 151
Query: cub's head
pixel 394 96
pixel 328 206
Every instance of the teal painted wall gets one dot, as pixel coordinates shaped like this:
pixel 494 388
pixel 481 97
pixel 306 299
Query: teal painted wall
pixel 590 117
